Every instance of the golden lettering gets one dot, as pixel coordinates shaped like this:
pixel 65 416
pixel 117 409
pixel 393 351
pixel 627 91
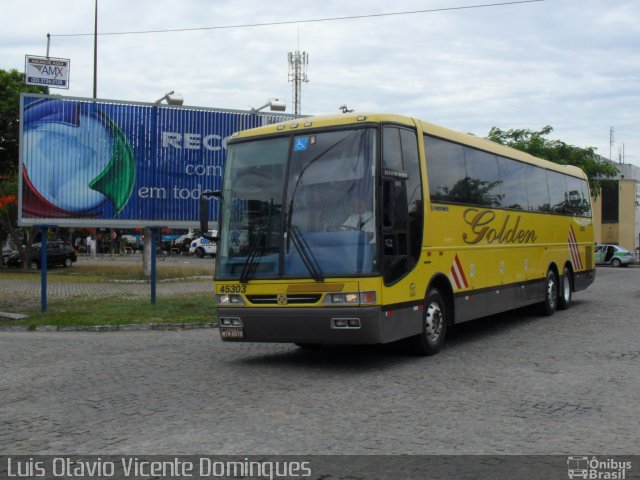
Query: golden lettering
pixel 482 227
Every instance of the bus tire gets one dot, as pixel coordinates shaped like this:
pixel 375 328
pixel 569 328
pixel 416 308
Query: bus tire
pixel 566 290
pixel 434 324
pixel 550 304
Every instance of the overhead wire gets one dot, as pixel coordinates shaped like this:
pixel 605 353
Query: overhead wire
pixel 293 22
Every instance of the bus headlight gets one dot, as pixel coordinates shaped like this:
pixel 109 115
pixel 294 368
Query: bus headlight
pixel 229 299
pixel 355 298
pixel 351 298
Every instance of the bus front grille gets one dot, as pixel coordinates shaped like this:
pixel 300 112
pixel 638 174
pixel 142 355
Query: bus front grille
pixel 298 299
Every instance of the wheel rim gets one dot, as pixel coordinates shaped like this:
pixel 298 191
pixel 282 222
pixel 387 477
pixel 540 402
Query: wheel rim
pixel 552 291
pixel 434 322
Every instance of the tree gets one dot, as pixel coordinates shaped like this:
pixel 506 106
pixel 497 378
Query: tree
pixel 11 85
pixel 557 151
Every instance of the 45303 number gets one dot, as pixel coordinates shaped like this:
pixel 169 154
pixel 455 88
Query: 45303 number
pixel 233 289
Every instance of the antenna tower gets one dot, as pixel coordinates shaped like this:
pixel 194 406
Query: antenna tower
pixel 298 62
pixel 612 140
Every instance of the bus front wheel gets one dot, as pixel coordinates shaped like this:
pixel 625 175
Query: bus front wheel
pixel 434 324
pixel 550 304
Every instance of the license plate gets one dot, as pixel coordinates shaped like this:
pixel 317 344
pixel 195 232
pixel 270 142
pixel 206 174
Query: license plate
pixel 231 332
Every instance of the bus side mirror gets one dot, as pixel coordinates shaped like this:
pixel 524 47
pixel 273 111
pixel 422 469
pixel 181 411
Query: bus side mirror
pixel 204 208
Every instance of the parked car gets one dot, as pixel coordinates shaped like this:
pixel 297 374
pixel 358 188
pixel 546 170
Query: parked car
pixel 8 249
pixel 201 246
pixel 58 253
pixel 614 255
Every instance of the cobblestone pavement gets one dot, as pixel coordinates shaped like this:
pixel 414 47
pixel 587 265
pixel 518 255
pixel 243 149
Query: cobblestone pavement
pixel 516 383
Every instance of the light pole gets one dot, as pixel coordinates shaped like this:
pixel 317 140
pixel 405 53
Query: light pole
pixel 151 234
pixel 274 104
pixel 172 98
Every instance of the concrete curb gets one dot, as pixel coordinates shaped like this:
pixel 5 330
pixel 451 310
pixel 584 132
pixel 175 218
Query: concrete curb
pixel 13 316
pixel 143 327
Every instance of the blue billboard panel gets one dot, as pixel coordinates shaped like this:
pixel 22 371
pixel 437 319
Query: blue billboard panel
pixel 86 162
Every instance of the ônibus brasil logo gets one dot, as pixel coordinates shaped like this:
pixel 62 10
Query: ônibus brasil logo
pixel 594 468
pixel 98 167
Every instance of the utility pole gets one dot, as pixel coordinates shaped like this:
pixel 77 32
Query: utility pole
pixel 298 62
pixel 94 237
pixel 95 52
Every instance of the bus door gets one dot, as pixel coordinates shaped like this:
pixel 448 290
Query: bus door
pixel 402 215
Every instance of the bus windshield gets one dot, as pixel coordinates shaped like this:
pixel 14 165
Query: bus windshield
pixel 299 207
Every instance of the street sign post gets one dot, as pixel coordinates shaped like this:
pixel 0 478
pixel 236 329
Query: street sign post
pixel 47 71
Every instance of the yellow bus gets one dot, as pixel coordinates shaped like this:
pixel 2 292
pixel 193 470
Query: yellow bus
pixel 371 228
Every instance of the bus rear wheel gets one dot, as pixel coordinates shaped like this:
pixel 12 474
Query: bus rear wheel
pixel 550 304
pixel 434 324
pixel 566 290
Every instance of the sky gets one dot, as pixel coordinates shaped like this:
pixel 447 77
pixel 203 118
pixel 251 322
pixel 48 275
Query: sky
pixel 571 64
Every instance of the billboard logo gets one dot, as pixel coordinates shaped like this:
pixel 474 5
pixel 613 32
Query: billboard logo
pixel 596 469
pixel 193 141
pixel 100 165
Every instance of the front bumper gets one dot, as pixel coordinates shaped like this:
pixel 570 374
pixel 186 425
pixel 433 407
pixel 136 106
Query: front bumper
pixel 307 325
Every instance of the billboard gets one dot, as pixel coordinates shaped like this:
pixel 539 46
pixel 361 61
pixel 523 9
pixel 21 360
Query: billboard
pixel 46 71
pixel 102 163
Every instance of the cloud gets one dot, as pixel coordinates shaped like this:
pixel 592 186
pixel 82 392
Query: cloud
pixel 572 64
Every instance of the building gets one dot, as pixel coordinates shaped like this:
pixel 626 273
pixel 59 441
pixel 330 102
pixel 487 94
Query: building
pixel 617 209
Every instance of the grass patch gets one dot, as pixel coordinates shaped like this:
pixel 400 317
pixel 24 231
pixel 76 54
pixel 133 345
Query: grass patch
pixel 197 308
pixel 109 272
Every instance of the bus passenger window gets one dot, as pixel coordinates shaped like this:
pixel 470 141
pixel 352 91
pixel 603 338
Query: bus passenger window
pixel 559 201
pixel 537 189
pixel 483 181
pixel 446 170
pixel 514 187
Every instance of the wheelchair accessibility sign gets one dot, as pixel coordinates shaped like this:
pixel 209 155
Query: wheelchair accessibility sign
pixel 301 144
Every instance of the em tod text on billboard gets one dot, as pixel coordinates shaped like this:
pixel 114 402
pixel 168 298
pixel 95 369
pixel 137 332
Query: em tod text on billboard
pixel 86 162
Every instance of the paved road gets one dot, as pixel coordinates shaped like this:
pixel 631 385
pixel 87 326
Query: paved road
pixel 511 384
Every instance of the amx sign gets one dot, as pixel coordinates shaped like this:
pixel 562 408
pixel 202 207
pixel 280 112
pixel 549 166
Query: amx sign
pixel 47 71
pixel 86 162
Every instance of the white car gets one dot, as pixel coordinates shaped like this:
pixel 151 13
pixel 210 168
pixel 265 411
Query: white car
pixel 614 255
pixel 8 249
pixel 201 247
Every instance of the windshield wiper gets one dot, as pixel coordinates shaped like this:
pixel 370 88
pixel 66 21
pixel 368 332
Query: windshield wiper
pixel 257 249
pixel 306 255
pixel 250 264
